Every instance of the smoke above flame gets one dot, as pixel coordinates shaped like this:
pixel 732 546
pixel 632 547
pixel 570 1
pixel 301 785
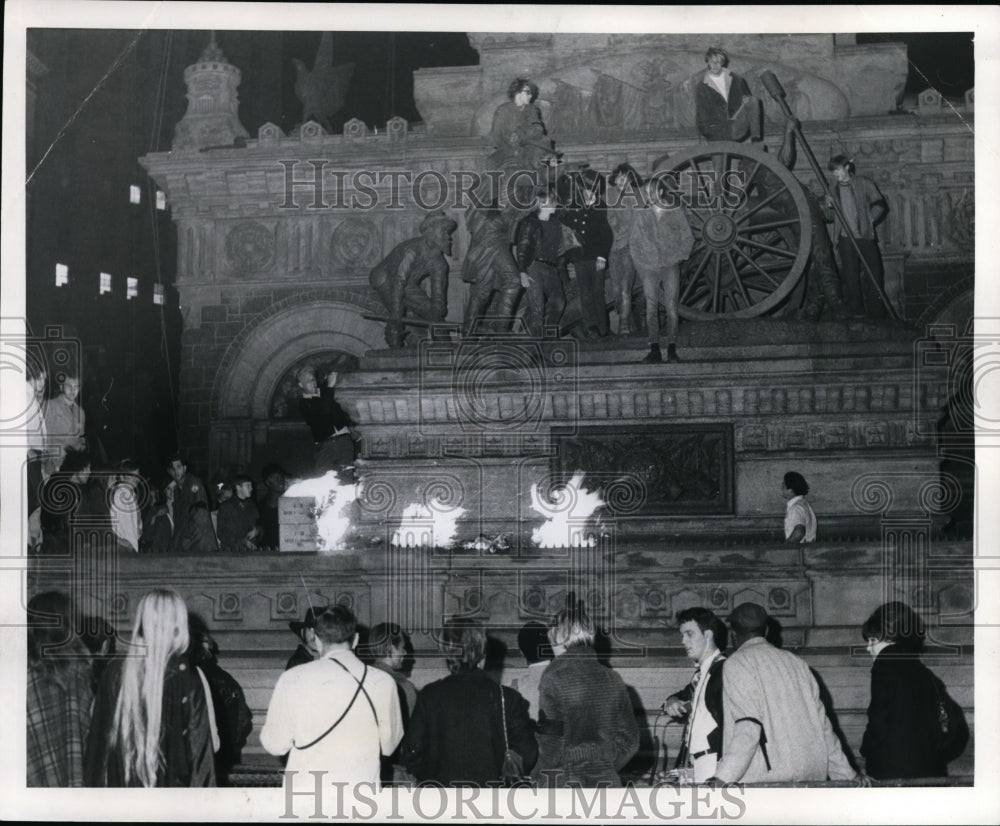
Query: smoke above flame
pixel 333 504
pixel 427 527
pixel 567 511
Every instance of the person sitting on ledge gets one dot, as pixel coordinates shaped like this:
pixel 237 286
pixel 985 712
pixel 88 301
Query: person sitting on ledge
pixel 800 521
pixel 518 134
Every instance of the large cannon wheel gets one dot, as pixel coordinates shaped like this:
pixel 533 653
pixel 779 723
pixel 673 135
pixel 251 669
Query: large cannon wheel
pixel 752 231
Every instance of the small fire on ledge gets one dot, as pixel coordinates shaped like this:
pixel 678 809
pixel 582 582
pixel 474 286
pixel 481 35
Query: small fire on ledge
pixel 321 515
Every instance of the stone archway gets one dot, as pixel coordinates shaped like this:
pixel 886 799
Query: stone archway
pixel 320 321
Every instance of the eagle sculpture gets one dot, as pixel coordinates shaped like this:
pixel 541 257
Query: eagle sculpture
pixel 322 90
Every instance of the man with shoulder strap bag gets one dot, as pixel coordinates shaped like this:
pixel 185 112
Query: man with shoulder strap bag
pixel 334 714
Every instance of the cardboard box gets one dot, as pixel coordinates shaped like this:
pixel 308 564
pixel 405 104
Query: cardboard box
pixel 298 538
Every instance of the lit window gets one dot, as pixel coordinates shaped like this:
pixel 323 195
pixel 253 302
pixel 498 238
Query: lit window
pixel 131 288
pixel 157 293
pixel 134 194
pixel 161 199
pixel 105 283
pixel 62 275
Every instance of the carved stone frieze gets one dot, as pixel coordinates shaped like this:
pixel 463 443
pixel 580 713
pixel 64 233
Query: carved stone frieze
pixel 680 469
pixel 250 247
pixel 356 243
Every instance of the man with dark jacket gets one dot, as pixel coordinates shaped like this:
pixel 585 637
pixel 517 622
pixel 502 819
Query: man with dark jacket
pixel 587 260
pixel 703 635
pixel 456 735
pixel 538 247
pixel 328 421
pixel 725 109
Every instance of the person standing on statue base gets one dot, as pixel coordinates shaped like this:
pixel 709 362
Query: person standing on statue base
pixel 864 208
pixel 587 261
pixel 661 239
pixel 538 248
pixel 327 420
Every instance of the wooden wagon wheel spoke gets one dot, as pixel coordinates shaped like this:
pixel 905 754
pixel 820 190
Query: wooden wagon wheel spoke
pixel 746 216
pixel 785 222
pixel 718 281
pixel 755 265
pixel 738 280
pixel 775 250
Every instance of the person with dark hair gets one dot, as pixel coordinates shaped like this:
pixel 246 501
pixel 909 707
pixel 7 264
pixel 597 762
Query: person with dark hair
pixel 275 484
pixel 238 518
pixel 158 522
pixel 198 536
pixel 456 735
pixel 538 249
pixel 864 207
pixel 233 717
pixel 387 644
pixel 623 198
pixel 587 258
pixel 903 731
pixel 59 694
pixel 518 134
pixel 699 703
pixel 64 495
pixel 334 715
pixel 328 421
pixel 587 729
pixel 775 727
pixel 800 520
pixel 725 108
pixel 308 647
pixel 533 640
pixel 187 490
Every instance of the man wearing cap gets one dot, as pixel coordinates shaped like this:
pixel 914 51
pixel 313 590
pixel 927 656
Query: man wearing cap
pixel 397 279
pixel 775 727
pixel 306 632
pixel 334 715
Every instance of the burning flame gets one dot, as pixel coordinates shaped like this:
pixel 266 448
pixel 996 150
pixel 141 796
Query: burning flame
pixel 333 500
pixel 428 527
pixel 565 515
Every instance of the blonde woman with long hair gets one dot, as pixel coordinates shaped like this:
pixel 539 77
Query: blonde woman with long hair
pixel 150 725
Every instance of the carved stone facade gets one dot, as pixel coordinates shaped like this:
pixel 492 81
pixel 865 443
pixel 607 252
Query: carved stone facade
pixel 273 222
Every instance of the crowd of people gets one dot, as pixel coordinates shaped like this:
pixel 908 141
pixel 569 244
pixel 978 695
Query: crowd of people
pixel 160 710
pixel 592 235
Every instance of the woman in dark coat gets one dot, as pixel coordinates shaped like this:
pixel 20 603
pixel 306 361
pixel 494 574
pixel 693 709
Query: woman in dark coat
pixel 587 729
pixel 150 722
pixel 902 716
pixel 456 735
